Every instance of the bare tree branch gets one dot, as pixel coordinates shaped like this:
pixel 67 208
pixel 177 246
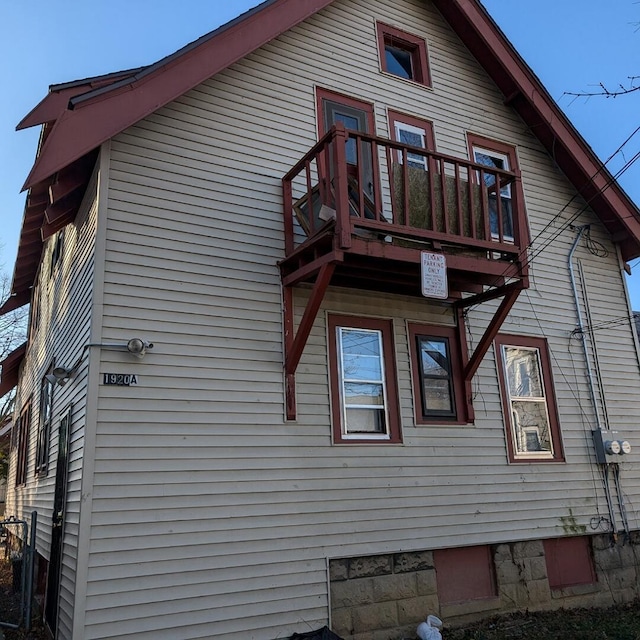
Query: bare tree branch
pixel 13 332
pixel 606 92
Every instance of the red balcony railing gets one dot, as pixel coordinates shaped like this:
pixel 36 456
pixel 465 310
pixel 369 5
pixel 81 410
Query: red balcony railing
pixel 355 184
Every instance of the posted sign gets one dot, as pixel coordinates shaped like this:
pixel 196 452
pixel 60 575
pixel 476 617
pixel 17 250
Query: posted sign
pixel 434 275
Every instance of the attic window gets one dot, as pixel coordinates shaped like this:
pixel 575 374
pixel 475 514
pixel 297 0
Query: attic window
pixel 403 54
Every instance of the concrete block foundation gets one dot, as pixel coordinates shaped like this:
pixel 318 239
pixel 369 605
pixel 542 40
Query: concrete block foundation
pixel 385 597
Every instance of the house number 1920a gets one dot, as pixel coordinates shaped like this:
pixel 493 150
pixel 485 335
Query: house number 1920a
pixel 120 379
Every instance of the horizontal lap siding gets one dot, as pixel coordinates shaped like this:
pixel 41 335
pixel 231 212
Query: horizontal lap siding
pixel 211 515
pixel 65 308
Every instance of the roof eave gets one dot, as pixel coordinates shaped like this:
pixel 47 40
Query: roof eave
pixel 525 93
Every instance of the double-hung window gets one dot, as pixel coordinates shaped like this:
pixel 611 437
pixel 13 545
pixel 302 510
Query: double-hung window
pixel 363 380
pixel 413 132
pixel 528 400
pixel 437 374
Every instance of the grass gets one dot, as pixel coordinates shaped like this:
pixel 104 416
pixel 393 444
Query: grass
pixel 621 622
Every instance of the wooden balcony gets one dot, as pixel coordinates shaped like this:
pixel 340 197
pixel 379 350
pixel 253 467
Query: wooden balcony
pixel 361 211
pixel 371 206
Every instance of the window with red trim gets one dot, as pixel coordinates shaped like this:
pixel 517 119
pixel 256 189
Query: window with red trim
pixel 403 54
pixel 22 429
pixel 500 156
pixel 528 399
pixel 569 562
pixel 363 380
pixel 412 131
pixel 438 387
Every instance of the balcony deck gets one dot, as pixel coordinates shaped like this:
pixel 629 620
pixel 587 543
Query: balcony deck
pixel 371 206
pixel 361 211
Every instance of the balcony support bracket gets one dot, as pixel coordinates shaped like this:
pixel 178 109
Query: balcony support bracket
pixel 294 342
pixel 510 293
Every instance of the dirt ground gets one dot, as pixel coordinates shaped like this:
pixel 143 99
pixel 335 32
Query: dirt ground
pixel 10 605
pixel 617 623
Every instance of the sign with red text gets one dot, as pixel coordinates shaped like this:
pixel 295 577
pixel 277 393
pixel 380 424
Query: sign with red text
pixel 434 275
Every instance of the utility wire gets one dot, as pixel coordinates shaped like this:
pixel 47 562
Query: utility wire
pixel 547 242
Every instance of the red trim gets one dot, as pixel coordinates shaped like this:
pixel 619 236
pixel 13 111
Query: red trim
pixel 511 293
pixel 528 97
pixel 408 42
pixel 109 112
pixel 549 392
pixel 452 334
pixel 11 368
pixel 90 124
pixel 348 101
pixel 56 102
pixel 509 150
pixel 393 408
pixel 15 301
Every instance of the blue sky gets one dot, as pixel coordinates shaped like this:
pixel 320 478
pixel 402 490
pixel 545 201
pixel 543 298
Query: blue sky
pixel 44 42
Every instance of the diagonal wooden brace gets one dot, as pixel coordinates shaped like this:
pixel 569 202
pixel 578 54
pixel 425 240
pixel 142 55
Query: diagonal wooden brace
pixel 511 294
pixel 294 344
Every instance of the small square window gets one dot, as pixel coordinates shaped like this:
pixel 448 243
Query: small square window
pixel 403 54
pixel 412 131
pixel 363 381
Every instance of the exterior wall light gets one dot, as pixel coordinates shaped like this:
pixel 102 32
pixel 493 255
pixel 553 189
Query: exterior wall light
pixel 136 346
pixel 60 375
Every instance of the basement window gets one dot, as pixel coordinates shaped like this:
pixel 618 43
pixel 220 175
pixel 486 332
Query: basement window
pixel 569 562
pixel 465 574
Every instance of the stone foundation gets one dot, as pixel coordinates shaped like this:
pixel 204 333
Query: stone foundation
pixel 385 597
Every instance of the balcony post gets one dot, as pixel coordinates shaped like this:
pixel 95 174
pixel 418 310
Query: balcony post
pixel 520 230
pixel 341 186
pixel 287 195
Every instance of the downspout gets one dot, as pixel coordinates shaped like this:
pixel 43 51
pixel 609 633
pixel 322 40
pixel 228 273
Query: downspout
pixel 592 391
pixel 580 325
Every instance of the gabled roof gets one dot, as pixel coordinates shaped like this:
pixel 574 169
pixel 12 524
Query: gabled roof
pixel 78 118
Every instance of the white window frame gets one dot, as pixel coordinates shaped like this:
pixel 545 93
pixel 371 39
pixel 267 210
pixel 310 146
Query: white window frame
pixel 516 436
pixel 505 192
pixel 368 435
pixel 403 126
